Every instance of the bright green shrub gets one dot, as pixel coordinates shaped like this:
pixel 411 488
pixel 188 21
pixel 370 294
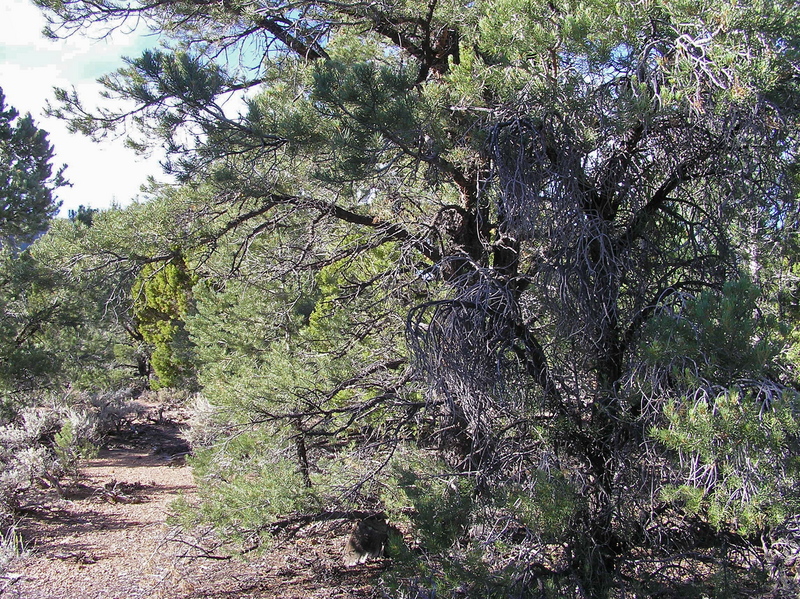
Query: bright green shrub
pixel 162 299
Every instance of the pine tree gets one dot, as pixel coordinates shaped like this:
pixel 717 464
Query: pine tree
pixel 27 181
pixel 562 195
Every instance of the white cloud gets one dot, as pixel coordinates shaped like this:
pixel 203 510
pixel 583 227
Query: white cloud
pixel 16 17
pixel 31 65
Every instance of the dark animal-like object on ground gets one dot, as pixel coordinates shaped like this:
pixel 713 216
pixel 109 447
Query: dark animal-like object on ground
pixel 366 541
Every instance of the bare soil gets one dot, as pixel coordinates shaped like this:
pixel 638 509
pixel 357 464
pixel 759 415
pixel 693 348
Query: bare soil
pixel 108 537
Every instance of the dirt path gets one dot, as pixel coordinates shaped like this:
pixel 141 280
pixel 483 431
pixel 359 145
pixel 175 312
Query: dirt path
pixel 108 539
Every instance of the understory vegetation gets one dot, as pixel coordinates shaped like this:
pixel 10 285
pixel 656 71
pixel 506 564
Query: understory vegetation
pixel 521 276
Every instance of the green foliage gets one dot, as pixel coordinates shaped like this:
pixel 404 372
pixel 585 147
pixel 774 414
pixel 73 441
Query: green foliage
pixel 547 506
pixel 458 534
pixel 161 301
pixel 740 455
pixel 736 440
pixel 246 485
pixel 718 337
pixel 240 334
pixel 83 328
pixel 271 355
pixel 83 215
pixel 31 306
pixel 553 190
pixel 110 268
pixel 439 505
pixel 27 181
pixel 71 444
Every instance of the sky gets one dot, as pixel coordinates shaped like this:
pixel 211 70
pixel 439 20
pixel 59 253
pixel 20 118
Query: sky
pixel 103 173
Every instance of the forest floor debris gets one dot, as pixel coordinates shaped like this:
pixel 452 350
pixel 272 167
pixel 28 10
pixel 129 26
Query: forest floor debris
pixel 108 537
